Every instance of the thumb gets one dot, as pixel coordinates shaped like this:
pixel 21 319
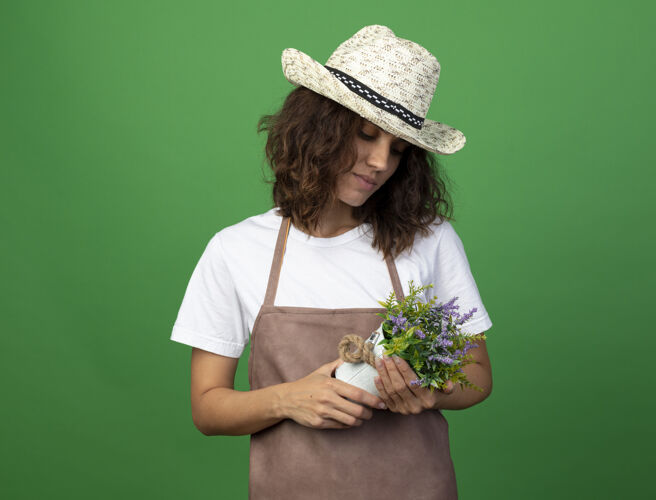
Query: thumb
pixel 329 368
pixel 449 387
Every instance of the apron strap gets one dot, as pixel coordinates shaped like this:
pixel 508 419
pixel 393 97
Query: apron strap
pixel 394 275
pixel 276 266
pixel 274 272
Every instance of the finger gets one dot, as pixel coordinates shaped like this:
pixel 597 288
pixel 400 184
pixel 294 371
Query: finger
pixel 357 395
pixel 329 368
pixel 398 382
pixel 449 387
pixel 391 405
pixel 408 375
pixel 387 383
pixel 334 406
pixel 331 413
pixel 349 407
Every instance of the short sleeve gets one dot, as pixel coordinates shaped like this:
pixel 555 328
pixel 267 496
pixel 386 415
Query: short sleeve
pixel 211 315
pixel 453 278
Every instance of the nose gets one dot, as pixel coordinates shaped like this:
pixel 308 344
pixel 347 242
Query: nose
pixel 378 155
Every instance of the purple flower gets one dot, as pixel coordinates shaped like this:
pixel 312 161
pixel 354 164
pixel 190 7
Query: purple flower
pixel 442 341
pixel 461 352
pixel 449 307
pixel 446 360
pixel 420 334
pixel 466 317
pixel 440 359
pixel 398 320
pixel 444 331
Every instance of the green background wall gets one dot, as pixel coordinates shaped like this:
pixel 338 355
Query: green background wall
pixel 127 140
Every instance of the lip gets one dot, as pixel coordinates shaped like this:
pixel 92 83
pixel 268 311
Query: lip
pixel 365 183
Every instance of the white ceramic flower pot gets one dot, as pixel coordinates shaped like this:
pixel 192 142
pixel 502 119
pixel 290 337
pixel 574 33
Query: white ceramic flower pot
pixel 362 374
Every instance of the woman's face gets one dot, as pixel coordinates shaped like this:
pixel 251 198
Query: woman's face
pixel 379 154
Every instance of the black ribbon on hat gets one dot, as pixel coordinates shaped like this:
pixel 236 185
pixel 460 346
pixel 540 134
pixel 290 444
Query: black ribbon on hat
pixel 376 99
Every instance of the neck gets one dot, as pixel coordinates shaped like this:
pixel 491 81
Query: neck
pixel 335 220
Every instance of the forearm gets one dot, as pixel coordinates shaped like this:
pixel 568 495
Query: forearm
pixel 478 374
pixel 224 411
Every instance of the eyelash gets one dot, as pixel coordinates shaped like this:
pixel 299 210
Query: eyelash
pixel 368 138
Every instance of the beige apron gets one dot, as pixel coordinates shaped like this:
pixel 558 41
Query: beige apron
pixel 390 456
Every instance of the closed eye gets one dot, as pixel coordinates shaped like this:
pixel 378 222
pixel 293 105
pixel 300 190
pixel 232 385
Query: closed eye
pixel 367 137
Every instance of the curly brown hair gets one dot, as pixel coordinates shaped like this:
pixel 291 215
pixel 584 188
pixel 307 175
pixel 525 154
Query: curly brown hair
pixel 311 141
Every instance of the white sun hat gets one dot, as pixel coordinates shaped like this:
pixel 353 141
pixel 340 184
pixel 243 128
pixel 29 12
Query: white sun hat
pixel 388 80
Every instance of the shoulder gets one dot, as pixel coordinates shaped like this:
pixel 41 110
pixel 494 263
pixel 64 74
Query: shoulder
pixel 248 235
pixel 440 234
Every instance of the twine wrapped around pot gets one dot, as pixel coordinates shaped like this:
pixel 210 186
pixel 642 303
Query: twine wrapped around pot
pixel 364 351
pixel 359 367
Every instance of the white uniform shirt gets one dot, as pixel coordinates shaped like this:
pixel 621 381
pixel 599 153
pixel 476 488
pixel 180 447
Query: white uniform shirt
pixel 227 287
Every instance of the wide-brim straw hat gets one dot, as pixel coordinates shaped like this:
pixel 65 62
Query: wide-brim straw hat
pixel 388 80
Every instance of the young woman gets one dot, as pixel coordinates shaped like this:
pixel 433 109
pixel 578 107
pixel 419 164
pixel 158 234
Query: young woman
pixel 360 209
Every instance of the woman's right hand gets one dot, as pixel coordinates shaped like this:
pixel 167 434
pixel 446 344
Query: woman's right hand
pixel 318 400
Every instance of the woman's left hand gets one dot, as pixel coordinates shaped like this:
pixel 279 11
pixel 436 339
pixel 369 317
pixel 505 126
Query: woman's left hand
pixel 393 384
